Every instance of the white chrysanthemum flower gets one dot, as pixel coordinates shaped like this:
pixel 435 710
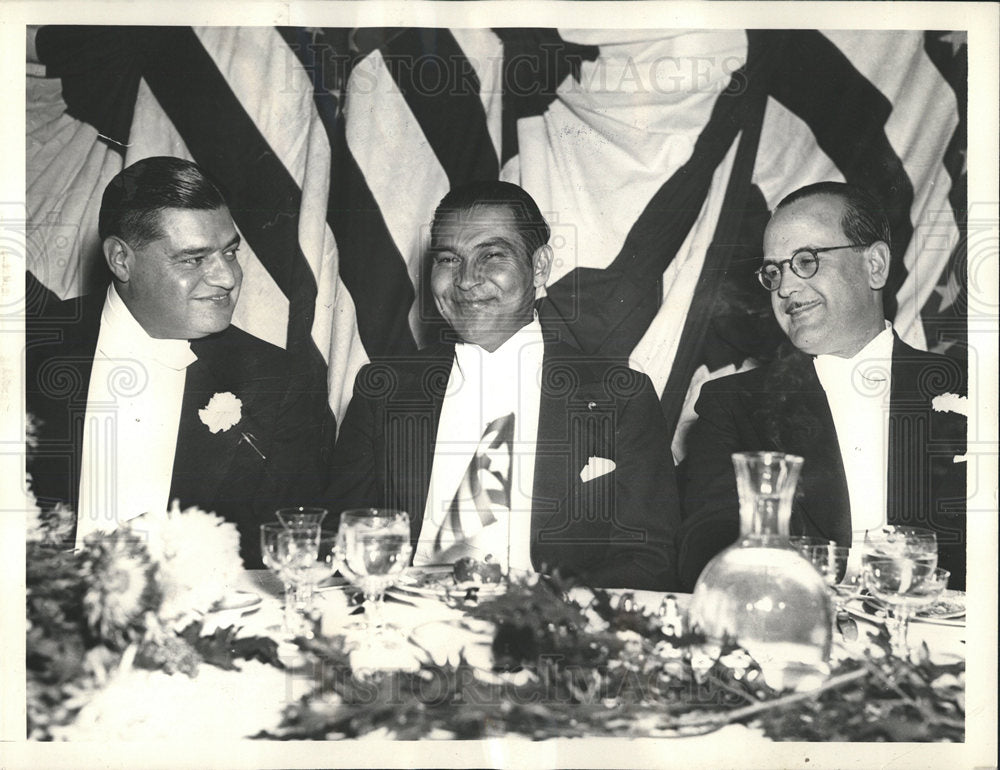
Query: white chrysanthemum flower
pixel 222 412
pixel 34 532
pixel 30 432
pixel 139 705
pixel 34 529
pixel 60 524
pixel 197 555
pixel 119 590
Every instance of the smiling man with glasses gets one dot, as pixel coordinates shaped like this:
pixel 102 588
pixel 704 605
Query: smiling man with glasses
pixel 844 392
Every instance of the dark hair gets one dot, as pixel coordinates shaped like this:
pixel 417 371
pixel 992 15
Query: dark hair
pixel 864 220
pixel 135 197
pixel 465 198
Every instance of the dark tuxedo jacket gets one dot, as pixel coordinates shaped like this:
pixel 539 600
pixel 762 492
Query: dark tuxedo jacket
pixel 284 413
pixel 783 407
pixel 615 530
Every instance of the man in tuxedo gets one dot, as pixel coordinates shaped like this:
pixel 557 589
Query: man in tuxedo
pixel 878 423
pixel 145 394
pixel 502 440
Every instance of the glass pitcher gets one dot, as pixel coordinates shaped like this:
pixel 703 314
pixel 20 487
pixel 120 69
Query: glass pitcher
pixel 759 592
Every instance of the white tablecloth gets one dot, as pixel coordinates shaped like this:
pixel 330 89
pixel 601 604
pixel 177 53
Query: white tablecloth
pixel 150 706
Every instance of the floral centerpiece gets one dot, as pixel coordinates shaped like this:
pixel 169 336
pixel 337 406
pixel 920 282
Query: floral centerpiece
pixel 130 598
pixel 582 663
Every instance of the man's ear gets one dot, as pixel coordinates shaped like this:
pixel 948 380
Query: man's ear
pixel 541 264
pixel 119 257
pixel 877 259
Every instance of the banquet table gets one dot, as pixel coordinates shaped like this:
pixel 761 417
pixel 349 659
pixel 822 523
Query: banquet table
pixel 232 705
pixel 945 642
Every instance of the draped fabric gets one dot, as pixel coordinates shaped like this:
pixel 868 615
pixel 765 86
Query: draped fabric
pixel 655 156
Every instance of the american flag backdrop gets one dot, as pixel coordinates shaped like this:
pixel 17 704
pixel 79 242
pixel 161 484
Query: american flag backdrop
pixel 655 156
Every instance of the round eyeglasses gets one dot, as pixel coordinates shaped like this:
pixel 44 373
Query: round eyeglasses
pixel 804 263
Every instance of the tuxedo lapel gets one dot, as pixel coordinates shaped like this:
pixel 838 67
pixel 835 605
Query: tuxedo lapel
pixel 410 420
pixel 805 428
pixel 212 466
pixel 824 501
pixel 570 519
pixel 202 458
pixel 902 436
pixel 926 486
pixel 552 443
pixel 921 441
pixel 59 360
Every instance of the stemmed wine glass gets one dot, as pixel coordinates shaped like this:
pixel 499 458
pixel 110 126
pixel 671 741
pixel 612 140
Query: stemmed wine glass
pixel 301 516
pixel 373 549
pixel 326 563
pixel 830 560
pixel 286 556
pixel 296 554
pixel 899 566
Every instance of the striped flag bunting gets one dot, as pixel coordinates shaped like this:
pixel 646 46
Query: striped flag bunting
pixel 654 154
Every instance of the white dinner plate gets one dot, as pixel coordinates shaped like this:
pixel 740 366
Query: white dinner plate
pixel 949 610
pixel 237 600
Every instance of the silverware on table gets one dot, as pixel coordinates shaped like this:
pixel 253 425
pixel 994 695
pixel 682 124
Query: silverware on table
pixel 847 625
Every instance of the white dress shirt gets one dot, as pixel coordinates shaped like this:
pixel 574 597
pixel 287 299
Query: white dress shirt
pixel 133 414
pixel 482 387
pixel 857 390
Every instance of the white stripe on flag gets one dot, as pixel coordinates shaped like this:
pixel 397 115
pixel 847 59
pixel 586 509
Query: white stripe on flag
pixel 923 118
pixel 788 156
pixel 658 347
pixel 278 98
pixel 398 163
pixel 66 171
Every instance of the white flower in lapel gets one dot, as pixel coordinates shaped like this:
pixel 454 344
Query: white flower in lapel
pixel 950 402
pixel 223 411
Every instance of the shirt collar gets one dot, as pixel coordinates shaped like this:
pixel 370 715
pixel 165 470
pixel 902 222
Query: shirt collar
pixel 469 356
pixel 830 368
pixel 122 335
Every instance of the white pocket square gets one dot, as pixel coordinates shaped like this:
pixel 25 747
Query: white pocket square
pixel 595 468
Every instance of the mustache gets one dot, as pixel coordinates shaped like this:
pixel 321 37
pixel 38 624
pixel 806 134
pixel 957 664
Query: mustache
pixel 791 307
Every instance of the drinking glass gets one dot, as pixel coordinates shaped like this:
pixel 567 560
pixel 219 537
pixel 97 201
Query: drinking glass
pixel 269 545
pixel 829 559
pixel 325 564
pixel 301 516
pixel 269 553
pixel 296 554
pixel 801 542
pixel 373 549
pixel 904 592
pixel 899 567
pixel 893 540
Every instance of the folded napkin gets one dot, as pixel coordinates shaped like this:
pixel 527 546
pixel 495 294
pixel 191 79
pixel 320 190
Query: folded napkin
pixel 595 468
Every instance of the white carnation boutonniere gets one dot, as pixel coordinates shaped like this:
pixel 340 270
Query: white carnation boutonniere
pixel 954 404
pixel 223 411
pixel 950 402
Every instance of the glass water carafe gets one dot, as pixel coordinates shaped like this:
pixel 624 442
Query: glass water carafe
pixel 761 594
